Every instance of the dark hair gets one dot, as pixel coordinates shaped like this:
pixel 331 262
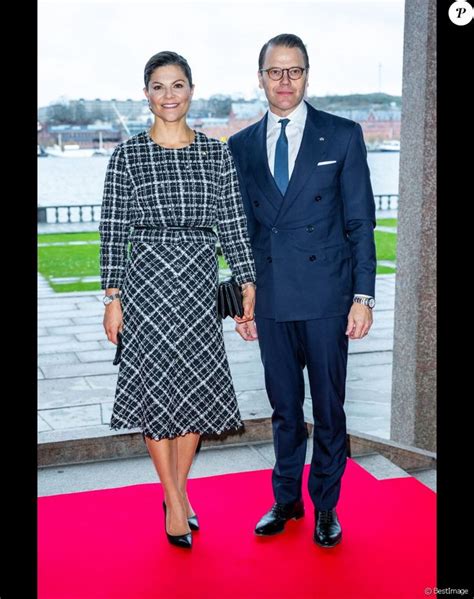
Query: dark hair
pixel 163 59
pixel 287 40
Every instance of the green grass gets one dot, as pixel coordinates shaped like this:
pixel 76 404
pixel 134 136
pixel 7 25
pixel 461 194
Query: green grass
pixel 79 286
pixel 222 262
pixel 60 237
pixel 385 270
pixel 68 261
pixel 387 222
pixel 83 260
pixel 386 244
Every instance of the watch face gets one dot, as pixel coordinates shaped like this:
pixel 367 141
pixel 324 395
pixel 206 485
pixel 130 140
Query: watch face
pixel 371 302
pixel 106 300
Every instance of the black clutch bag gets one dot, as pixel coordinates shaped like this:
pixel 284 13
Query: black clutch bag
pixel 118 352
pixel 229 299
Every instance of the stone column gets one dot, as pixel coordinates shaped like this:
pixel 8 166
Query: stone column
pixel 413 417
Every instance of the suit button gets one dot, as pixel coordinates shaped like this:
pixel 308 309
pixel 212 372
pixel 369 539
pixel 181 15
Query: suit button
pixel 256 203
pixel 269 259
pixel 310 228
pixel 274 230
pixel 312 258
pixel 318 198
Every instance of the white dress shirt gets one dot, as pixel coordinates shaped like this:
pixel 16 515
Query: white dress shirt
pixel 294 133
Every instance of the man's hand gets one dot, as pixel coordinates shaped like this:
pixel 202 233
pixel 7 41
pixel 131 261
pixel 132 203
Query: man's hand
pixel 248 304
pixel 359 321
pixel 247 330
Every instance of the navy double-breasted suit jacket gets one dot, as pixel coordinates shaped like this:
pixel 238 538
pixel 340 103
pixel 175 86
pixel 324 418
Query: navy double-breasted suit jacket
pixel 313 247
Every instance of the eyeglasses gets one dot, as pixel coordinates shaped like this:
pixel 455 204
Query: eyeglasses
pixel 276 74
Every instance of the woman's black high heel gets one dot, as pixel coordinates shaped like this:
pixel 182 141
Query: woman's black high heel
pixel 193 522
pixel 184 541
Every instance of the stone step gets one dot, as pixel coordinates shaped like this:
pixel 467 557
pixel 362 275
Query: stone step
pixel 426 476
pixel 209 461
pixel 91 444
pixel 380 467
pixel 99 443
pixel 122 472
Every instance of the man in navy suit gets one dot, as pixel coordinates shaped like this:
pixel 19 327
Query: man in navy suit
pixel 310 211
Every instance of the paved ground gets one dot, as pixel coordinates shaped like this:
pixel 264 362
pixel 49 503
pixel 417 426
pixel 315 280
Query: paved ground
pixel 76 377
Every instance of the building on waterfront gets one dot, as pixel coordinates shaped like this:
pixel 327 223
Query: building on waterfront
pixel 85 136
pixel 96 110
pixel 219 117
pixel 377 125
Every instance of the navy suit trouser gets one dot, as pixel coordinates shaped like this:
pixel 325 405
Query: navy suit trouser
pixel 286 348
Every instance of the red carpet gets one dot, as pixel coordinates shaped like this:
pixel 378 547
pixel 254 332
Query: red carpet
pixel 111 544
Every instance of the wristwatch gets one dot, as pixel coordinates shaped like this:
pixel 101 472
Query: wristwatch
pixel 245 286
pixel 365 301
pixel 108 299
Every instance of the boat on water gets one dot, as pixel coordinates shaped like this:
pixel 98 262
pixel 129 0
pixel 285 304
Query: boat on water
pixel 390 145
pixel 102 152
pixel 70 151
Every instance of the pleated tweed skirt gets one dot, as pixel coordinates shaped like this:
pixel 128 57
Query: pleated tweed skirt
pixel 174 376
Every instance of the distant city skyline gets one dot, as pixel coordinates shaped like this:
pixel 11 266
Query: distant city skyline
pixel 236 99
pixel 98 48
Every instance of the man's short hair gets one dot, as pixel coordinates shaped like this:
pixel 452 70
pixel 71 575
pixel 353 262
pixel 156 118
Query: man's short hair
pixel 287 40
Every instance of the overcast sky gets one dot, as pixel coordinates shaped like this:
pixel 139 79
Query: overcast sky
pixel 97 49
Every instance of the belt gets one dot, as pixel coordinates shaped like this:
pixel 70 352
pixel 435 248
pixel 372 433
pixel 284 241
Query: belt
pixel 143 228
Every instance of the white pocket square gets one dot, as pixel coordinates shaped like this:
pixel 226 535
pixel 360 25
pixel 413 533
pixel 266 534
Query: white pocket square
pixel 326 162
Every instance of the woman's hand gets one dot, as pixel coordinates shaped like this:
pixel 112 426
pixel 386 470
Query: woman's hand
pixel 248 302
pixel 247 330
pixel 113 320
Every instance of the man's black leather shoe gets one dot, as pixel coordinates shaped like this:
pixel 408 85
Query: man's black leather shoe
pixel 274 521
pixel 327 530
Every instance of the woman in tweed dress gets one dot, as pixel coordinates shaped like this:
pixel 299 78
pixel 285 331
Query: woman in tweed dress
pixel 165 189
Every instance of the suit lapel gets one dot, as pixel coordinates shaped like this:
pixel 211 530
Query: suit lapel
pixel 260 168
pixel 312 150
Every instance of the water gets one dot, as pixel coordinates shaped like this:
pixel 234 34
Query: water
pixel 73 181
pixel 384 171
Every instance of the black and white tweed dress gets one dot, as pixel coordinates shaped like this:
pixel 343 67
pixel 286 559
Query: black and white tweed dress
pixel 174 377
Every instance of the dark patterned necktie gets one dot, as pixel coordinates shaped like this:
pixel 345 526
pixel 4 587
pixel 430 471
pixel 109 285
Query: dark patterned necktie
pixel 281 158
